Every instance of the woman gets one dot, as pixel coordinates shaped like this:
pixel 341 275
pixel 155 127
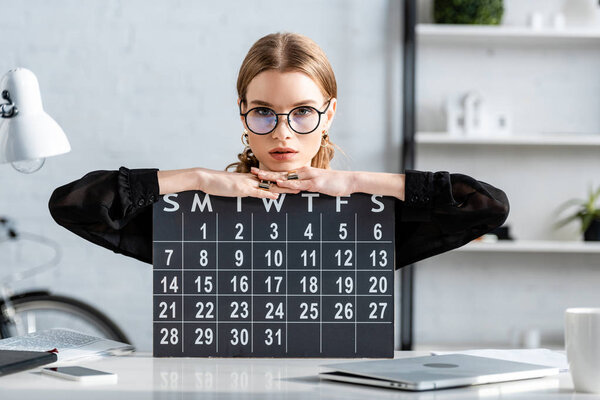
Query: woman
pixel 287 100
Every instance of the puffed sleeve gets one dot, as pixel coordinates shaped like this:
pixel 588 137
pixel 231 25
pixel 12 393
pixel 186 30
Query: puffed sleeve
pixel 110 208
pixel 442 211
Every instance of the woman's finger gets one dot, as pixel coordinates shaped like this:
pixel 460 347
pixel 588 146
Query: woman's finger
pixel 256 191
pixel 272 193
pixel 298 185
pixel 269 175
pixel 263 194
pixel 279 189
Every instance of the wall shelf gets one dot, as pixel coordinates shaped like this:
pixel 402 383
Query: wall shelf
pixel 532 246
pixel 515 140
pixel 546 72
pixel 446 33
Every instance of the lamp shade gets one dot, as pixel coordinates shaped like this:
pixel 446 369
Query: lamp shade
pixel 30 133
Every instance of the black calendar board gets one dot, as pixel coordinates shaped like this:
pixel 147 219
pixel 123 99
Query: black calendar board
pixel 306 275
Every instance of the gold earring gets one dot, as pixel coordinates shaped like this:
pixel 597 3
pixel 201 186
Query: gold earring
pixel 325 139
pixel 245 136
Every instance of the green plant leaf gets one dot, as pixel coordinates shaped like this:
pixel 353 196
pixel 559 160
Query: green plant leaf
pixel 589 205
pixel 595 196
pixel 570 203
pixel 565 221
pixel 587 209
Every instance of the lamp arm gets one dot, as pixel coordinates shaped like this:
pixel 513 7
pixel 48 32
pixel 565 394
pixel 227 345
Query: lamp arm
pixel 8 110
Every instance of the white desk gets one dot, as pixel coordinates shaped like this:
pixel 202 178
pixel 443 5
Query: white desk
pixel 144 377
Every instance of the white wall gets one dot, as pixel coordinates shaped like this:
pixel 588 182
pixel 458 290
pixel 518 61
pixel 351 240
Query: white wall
pixel 152 84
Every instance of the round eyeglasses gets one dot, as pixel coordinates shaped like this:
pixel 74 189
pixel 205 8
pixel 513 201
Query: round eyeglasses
pixel 302 120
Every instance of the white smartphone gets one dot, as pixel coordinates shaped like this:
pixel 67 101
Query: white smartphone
pixel 81 374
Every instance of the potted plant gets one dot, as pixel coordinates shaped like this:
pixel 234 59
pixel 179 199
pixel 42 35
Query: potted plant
pixel 588 211
pixel 480 12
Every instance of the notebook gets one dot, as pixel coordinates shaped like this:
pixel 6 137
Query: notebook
pixel 17 360
pixel 434 372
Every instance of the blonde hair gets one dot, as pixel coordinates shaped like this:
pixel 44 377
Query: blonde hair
pixel 287 52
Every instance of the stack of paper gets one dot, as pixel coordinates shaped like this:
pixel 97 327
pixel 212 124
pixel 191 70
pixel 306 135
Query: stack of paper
pixel 70 345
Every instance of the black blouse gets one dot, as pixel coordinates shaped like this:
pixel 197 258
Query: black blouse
pixel 441 211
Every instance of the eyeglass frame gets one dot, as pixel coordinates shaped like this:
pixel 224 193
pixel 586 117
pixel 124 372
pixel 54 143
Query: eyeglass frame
pixel 245 115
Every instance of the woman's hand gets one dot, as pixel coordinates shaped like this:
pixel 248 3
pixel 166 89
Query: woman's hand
pixel 233 184
pixel 218 183
pixel 326 181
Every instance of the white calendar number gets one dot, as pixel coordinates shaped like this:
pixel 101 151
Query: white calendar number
pixel 164 309
pixel 203 257
pixel 169 253
pixel 239 380
pixel 205 310
pixel 274 258
pixel 205 287
pixel 377 234
pixel 312 257
pixel 377 307
pixel 345 285
pixel 169 379
pixel 240 229
pixel 309 311
pixel 308 231
pixel 344 311
pixel 239 310
pixel 239 336
pixel 347 254
pixel 343 231
pixel 240 283
pixel 204 336
pixel 274 231
pixel 239 258
pixel 272 337
pixel 382 258
pixel 312 284
pixel 172 286
pixel 273 311
pixel 204 379
pixel 378 285
pixel 273 283
pixel 203 230
pixel 171 337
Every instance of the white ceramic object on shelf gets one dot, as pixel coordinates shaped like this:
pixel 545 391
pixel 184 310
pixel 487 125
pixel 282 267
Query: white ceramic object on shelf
pixel 475 114
pixel 536 20
pixel 470 114
pixel 558 21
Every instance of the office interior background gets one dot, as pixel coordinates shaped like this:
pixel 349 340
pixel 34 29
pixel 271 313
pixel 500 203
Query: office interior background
pixel 152 84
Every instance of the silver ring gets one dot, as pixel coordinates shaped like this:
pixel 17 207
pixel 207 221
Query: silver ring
pixel 292 175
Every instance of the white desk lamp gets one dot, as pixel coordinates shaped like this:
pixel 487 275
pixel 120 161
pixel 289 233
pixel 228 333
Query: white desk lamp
pixel 27 134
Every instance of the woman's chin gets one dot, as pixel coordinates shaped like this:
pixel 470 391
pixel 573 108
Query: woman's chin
pixel 282 166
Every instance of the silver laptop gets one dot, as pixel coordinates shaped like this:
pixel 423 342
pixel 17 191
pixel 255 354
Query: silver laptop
pixel 434 372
